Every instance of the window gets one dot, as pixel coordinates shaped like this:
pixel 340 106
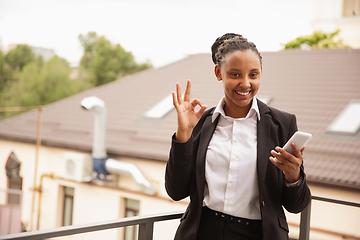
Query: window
pixel 161 109
pixel 351 8
pixel 68 206
pixel 14 182
pixel 131 210
pixel 348 121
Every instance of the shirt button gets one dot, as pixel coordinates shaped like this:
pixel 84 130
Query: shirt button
pixel 263 203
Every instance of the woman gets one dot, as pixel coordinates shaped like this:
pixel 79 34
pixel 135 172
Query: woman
pixel 220 157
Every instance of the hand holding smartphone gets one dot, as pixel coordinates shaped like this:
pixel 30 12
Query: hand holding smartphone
pixel 299 138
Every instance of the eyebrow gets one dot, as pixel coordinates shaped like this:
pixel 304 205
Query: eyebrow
pixel 252 70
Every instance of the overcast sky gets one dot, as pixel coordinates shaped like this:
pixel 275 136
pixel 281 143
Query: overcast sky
pixel 161 31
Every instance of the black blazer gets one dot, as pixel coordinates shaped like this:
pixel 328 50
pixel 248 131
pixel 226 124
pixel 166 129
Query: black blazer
pixel 185 174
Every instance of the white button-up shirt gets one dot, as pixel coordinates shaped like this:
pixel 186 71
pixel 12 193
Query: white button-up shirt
pixel 230 170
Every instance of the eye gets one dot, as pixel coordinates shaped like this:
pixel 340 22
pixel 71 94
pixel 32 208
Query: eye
pixel 254 75
pixel 234 75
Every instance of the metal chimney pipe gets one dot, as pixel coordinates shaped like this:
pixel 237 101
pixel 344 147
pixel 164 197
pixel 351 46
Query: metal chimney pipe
pixel 103 165
pixel 97 106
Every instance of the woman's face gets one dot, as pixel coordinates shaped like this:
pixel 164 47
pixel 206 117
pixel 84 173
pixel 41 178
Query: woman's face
pixel 241 75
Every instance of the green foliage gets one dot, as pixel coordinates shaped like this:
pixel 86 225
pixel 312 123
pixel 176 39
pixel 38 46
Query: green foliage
pixel 40 83
pixel 106 62
pixel 18 57
pixel 27 81
pixel 317 40
pixel 5 72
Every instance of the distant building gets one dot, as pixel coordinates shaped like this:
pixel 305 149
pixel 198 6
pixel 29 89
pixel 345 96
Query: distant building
pixel 331 15
pixel 46 53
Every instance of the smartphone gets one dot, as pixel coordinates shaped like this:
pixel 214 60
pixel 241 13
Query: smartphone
pixel 299 138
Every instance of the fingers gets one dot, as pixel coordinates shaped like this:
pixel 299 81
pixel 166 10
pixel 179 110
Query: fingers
pixel 175 101
pixel 297 152
pixel 187 91
pixel 178 100
pixel 186 98
pixel 302 150
pixel 178 94
pixel 202 109
pixel 290 164
pixel 287 160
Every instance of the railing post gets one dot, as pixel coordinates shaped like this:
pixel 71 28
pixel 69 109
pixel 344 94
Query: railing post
pixel 305 223
pixel 146 230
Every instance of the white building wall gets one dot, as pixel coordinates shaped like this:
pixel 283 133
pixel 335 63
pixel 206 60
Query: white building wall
pixel 93 202
pixel 96 203
pixel 26 154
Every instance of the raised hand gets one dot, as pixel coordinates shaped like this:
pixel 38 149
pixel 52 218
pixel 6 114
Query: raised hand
pixel 187 117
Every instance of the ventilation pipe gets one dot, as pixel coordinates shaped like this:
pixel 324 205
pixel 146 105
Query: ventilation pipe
pixel 125 168
pixel 102 165
pixel 97 106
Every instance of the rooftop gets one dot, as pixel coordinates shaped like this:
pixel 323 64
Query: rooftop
pixel 315 85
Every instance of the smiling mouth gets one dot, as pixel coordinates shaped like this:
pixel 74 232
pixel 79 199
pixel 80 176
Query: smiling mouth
pixel 242 93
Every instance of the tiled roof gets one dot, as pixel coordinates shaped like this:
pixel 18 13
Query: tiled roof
pixel 315 85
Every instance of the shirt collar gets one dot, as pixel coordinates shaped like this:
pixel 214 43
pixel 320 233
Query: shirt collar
pixel 220 109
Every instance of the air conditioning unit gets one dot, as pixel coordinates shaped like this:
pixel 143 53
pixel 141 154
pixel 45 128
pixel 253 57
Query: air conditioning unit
pixel 77 167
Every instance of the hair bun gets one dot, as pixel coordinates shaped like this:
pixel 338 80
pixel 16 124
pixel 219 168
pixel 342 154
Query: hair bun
pixel 231 42
pixel 219 41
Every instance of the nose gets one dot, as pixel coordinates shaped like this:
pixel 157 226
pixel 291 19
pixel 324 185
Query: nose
pixel 245 83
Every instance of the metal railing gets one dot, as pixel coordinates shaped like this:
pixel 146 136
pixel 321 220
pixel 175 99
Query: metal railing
pixel 146 224
pixel 306 214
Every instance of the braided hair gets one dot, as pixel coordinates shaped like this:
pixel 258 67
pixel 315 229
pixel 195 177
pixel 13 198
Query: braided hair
pixel 228 43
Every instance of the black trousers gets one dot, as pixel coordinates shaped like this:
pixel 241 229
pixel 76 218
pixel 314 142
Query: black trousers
pixel 219 226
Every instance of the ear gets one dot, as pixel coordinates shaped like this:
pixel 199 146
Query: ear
pixel 218 72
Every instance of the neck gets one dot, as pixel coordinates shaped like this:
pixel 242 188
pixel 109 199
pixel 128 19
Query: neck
pixel 235 111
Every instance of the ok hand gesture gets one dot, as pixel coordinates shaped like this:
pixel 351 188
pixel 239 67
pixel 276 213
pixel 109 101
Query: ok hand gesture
pixel 187 117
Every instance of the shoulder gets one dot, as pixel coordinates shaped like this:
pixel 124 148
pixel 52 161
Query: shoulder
pixel 279 114
pixel 282 124
pixel 276 114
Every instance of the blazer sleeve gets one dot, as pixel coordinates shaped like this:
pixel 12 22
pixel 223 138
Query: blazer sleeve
pixel 178 169
pixel 296 198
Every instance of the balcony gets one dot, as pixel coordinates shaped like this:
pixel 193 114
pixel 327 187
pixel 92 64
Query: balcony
pixel 146 224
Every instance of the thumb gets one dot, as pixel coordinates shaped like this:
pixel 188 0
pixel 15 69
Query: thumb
pixel 302 150
pixel 201 111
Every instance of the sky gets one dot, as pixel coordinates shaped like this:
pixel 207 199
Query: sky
pixel 161 31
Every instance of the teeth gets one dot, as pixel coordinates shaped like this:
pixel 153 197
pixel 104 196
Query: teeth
pixel 242 93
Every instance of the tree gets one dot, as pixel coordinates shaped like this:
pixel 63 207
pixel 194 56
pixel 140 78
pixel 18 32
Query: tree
pixel 317 40
pixel 18 57
pixel 5 72
pixel 40 83
pixel 107 62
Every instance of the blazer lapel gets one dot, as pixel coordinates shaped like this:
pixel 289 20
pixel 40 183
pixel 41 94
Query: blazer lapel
pixel 206 133
pixel 263 141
